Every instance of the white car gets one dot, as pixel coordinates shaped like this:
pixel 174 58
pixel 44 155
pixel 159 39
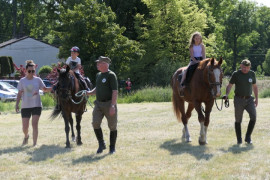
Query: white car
pixel 7 96
pixel 15 84
pixel 4 86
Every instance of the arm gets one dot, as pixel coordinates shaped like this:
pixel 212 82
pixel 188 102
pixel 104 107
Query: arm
pixel 191 54
pixel 19 96
pixel 255 90
pixel 203 52
pixel 228 89
pixel 93 92
pixel 47 89
pixel 114 101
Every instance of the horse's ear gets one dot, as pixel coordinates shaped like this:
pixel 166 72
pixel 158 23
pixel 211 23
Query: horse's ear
pixel 220 60
pixel 212 61
pixel 67 69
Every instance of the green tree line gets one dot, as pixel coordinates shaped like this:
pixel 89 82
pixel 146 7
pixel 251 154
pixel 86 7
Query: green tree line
pixel 147 40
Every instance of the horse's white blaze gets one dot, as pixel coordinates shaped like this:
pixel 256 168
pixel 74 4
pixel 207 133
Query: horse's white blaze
pixel 217 77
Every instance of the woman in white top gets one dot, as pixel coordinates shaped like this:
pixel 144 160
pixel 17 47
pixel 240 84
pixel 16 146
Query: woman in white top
pixel 197 53
pixel 31 103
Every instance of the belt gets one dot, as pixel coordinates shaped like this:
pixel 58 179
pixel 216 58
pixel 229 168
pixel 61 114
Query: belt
pixel 104 100
pixel 244 97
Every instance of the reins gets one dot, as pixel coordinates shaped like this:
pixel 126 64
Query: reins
pixel 83 95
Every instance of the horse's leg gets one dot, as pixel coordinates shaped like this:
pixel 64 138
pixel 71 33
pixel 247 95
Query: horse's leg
pixel 66 119
pixel 201 119
pixel 78 127
pixel 72 130
pixel 208 109
pixel 186 134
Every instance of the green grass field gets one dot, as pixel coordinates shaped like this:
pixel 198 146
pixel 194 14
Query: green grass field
pixel 149 146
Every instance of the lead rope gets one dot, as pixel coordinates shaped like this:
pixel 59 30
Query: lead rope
pixel 83 95
pixel 226 104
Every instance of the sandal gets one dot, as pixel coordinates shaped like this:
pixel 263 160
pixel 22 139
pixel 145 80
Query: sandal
pixel 25 141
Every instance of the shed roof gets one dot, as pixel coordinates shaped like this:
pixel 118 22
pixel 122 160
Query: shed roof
pixel 12 41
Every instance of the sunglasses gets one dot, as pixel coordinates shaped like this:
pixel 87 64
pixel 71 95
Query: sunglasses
pixel 31 71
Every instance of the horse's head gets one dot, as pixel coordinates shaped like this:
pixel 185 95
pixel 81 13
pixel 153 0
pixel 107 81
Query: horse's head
pixel 64 83
pixel 214 76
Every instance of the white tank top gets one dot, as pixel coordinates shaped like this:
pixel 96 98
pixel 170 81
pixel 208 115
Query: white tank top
pixel 197 51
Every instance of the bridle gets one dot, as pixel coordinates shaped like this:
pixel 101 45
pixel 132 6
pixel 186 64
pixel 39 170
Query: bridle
pixel 213 84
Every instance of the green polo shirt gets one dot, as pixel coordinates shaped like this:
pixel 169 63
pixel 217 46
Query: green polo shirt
pixel 243 82
pixel 105 84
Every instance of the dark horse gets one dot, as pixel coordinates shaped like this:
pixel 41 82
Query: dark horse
pixel 67 87
pixel 204 87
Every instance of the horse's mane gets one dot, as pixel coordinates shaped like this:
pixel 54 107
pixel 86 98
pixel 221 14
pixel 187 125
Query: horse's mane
pixel 203 63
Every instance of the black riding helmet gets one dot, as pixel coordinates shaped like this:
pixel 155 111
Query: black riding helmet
pixel 75 49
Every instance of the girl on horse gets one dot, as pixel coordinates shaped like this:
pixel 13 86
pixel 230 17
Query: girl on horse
pixel 197 53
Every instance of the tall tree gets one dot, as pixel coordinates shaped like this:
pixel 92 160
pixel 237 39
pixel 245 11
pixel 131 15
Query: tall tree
pixel 125 12
pixel 91 26
pixel 239 23
pixel 165 35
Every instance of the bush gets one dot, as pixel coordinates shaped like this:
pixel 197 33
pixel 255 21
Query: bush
pixel 265 93
pixel 48 100
pixel 147 94
pixel 45 70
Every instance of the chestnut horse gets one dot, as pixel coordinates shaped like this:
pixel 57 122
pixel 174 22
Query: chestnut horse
pixel 204 87
pixel 67 87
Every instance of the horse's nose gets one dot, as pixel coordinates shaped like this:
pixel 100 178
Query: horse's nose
pixel 218 94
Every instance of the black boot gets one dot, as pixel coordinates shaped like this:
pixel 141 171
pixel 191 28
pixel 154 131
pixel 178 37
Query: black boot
pixel 238 132
pixel 101 142
pixel 113 136
pixel 250 128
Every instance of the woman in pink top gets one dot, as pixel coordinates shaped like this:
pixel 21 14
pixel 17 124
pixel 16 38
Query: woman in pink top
pixel 31 103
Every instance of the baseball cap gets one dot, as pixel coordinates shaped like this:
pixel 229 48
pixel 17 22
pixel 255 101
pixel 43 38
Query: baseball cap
pixel 246 62
pixel 104 59
pixel 75 49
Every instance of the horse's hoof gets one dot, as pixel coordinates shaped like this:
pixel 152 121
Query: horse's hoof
pixel 68 146
pixel 73 138
pixel 188 140
pixel 79 143
pixel 202 143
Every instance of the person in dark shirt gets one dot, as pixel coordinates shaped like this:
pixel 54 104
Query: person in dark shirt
pixel 106 92
pixel 245 81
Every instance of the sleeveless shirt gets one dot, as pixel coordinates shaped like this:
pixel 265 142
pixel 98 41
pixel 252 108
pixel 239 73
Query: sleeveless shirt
pixel 197 51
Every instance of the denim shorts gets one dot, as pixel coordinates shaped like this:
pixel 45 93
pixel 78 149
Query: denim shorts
pixel 27 112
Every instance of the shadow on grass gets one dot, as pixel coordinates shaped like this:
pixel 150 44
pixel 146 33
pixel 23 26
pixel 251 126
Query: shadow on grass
pixel 236 149
pixel 45 152
pixel 13 149
pixel 177 148
pixel 89 158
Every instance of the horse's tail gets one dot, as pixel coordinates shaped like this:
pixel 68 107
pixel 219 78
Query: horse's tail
pixel 57 110
pixel 176 98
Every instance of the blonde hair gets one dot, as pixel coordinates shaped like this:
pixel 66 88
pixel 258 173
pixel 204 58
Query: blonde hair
pixel 192 41
pixel 29 63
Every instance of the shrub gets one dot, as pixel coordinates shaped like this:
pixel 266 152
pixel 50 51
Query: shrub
pixel 45 70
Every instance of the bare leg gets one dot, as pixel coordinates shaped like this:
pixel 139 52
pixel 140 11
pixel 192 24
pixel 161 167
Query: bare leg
pixel 35 119
pixel 25 127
